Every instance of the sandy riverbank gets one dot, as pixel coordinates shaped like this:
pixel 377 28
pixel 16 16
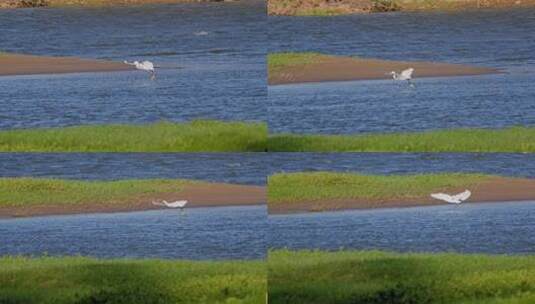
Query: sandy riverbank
pixel 198 195
pixel 334 68
pixel 17 64
pixel 345 7
pixel 498 189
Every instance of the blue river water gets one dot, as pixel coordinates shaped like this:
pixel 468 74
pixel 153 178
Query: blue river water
pixel 493 228
pixel 492 38
pixel 198 233
pixel 243 232
pixel 211 58
pixel 252 168
pixel 212 65
pixel 234 168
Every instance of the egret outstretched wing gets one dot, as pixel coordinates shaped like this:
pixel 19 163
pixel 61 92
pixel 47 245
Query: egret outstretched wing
pixel 463 196
pixel 147 65
pixel 158 203
pixel 176 204
pixel 407 74
pixel 443 197
pixel 452 199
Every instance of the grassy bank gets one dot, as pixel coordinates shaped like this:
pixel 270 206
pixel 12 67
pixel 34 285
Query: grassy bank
pixel 378 277
pixel 277 61
pixel 90 281
pixel 290 188
pixel 195 136
pixel 517 139
pixel 40 191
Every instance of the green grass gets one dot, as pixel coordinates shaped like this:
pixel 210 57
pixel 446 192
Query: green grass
pixel 195 136
pixel 371 277
pixel 309 186
pixel 277 61
pixel 78 280
pixel 516 139
pixel 37 191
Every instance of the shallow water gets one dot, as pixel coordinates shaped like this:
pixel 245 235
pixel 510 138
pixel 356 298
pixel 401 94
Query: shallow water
pixel 198 233
pixel 220 75
pixel 506 164
pixel 235 168
pixel 492 228
pixel 500 39
pixel 252 168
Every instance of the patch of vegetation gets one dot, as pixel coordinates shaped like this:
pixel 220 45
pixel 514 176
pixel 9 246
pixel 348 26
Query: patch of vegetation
pixel 282 60
pixel 195 136
pixel 41 191
pixel 81 280
pixel 385 6
pixel 516 139
pixel 372 277
pixel 287 188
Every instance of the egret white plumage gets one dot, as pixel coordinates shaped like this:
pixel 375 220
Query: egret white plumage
pixel 144 66
pixel 452 199
pixel 176 204
pixel 404 75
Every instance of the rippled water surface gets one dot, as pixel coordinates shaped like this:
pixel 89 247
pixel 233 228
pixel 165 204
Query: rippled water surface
pixel 198 233
pixel 507 164
pixel 212 59
pixel 235 168
pixel 483 228
pixel 252 168
pixel 500 39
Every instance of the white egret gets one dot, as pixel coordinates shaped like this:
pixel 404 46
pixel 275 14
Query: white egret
pixel 176 204
pixel 404 75
pixel 452 199
pixel 144 66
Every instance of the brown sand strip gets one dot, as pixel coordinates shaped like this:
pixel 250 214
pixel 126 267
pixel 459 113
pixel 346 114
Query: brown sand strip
pixel 495 190
pixel 342 7
pixel 198 195
pixel 15 64
pixel 348 69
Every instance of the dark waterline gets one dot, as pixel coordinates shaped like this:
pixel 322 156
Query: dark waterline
pixel 198 234
pixel 493 228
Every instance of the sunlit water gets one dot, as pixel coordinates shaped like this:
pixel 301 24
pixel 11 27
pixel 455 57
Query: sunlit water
pixel 499 39
pixel 219 75
pixel 197 233
pixel 492 228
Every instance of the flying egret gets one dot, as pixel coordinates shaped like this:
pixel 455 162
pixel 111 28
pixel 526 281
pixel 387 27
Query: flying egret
pixel 452 199
pixel 144 66
pixel 176 204
pixel 404 75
